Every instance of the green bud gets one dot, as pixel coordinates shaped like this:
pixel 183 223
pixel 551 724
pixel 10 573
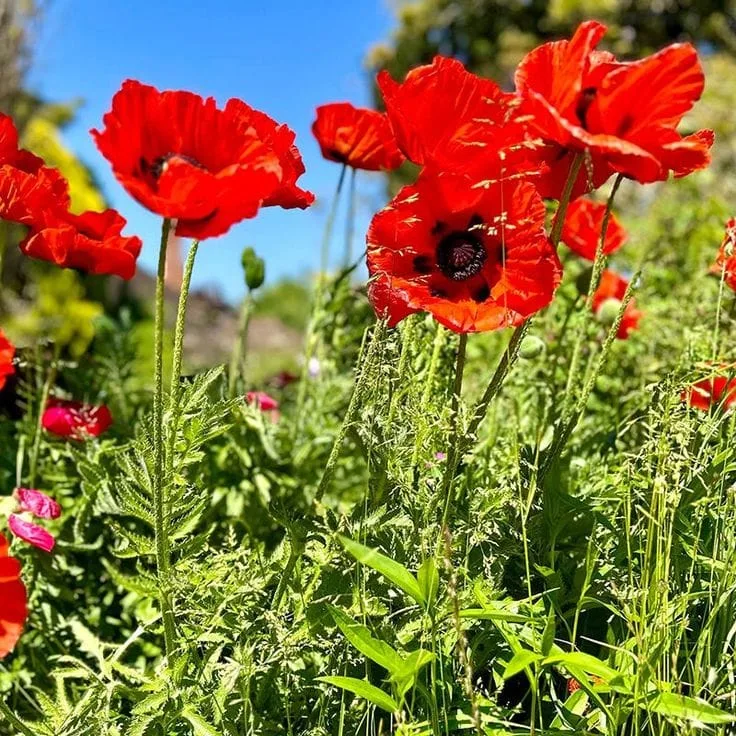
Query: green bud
pixel 254 267
pixel 531 347
pixel 608 311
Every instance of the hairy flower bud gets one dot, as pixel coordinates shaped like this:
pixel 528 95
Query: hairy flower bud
pixel 254 267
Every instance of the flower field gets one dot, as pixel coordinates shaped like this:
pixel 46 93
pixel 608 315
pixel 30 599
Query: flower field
pixel 497 496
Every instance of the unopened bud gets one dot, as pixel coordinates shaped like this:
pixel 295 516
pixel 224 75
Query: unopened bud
pixel 531 347
pixel 254 267
pixel 608 311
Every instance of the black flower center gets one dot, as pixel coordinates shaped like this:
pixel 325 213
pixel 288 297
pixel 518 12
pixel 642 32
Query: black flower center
pixel 159 165
pixel 586 100
pixel 460 255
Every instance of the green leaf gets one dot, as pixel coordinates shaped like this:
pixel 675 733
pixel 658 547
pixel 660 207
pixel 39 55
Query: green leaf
pixel 394 571
pixel 200 727
pixel 588 663
pixel 364 689
pixel 413 664
pixel 520 662
pixel 489 613
pixel 360 637
pixel 673 705
pixel 428 579
pixel 548 635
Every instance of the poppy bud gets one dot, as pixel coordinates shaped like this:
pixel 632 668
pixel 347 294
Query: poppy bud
pixel 608 311
pixel 531 347
pixel 254 267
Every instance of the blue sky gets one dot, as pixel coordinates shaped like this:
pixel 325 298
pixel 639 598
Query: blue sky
pixel 284 57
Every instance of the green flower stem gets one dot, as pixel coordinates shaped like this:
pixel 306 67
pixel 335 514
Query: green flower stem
pixel 163 561
pixel 353 406
pixel 350 225
pixel 311 338
pixel 178 356
pixel 595 277
pixel 45 392
pixel 453 455
pixel 238 357
pixel 14 721
pixel 559 221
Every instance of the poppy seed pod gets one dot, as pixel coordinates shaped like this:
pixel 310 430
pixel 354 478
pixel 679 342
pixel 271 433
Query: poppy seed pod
pixel 531 347
pixel 254 268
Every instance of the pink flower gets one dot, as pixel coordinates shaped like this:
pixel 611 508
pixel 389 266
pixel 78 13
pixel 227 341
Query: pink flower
pixel 262 400
pixel 37 503
pixel 74 419
pixel 31 533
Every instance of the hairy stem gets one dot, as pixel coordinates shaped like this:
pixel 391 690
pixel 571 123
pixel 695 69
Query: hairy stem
pixel 352 409
pixel 178 356
pixel 455 448
pixel 559 221
pixel 238 356
pixel 163 561
pixel 45 392
pixel 311 338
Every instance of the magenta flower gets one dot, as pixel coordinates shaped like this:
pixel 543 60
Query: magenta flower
pixel 262 400
pixel 74 419
pixel 31 533
pixel 37 503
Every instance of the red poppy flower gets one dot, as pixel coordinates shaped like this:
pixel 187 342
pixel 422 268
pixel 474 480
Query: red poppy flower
pixel 476 258
pixel 581 231
pixel 262 400
pixel 726 259
pixel 611 290
pixel 444 115
pixel 714 391
pixel 13 600
pixel 7 353
pixel 92 242
pixel 74 419
pixel 183 158
pixel 356 136
pixel 625 115
pixel 29 190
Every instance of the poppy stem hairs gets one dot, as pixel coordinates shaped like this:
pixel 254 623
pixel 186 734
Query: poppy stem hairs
pixel 175 390
pixel 163 558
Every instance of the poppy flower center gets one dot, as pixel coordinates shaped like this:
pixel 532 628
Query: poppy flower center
pixel 460 255
pixel 159 165
pixel 586 100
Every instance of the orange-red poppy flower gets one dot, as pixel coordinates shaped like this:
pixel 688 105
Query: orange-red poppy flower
pixel 476 258
pixel 726 259
pixel 714 391
pixel 611 290
pixel 13 600
pixel 92 242
pixel 357 137
pixel 183 158
pixel 581 231
pixel 29 190
pixel 7 353
pixel 624 115
pixel 445 116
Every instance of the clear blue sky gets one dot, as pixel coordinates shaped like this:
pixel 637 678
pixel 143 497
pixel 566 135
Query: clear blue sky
pixel 284 57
